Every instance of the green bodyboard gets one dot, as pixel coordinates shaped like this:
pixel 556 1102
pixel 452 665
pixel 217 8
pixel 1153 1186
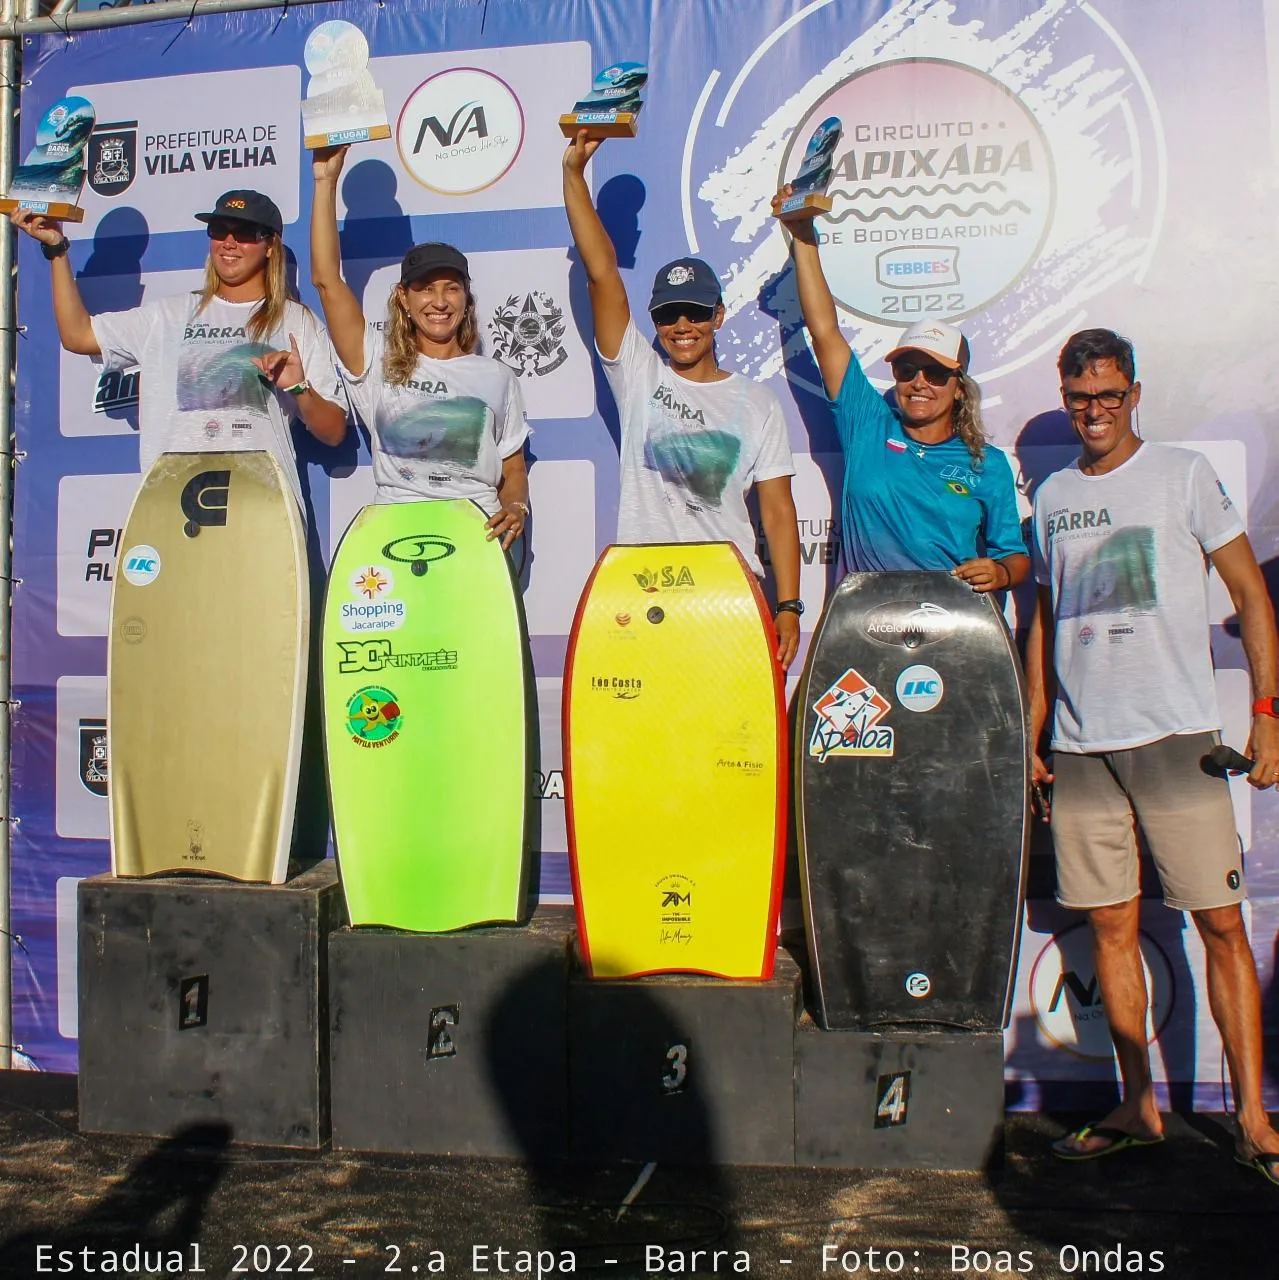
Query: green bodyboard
pixel 427 707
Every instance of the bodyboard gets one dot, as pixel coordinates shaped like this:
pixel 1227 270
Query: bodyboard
pixel 206 670
pixel 912 776
pixel 675 765
pixel 427 708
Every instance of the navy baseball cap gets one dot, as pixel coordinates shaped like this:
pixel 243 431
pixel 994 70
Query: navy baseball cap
pixel 685 280
pixel 423 258
pixel 246 206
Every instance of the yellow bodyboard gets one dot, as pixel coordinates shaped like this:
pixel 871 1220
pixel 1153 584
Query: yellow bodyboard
pixel 675 755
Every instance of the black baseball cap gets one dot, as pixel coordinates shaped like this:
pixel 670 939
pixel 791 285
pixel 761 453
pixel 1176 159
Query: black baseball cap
pixel 246 206
pixel 433 256
pixel 685 280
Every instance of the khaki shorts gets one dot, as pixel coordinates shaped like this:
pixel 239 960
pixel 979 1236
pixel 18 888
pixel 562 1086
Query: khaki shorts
pixel 1185 815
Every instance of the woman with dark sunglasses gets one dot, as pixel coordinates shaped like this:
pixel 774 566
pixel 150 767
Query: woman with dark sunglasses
pixel 922 490
pixel 695 437
pixel 444 422
pixel 225 367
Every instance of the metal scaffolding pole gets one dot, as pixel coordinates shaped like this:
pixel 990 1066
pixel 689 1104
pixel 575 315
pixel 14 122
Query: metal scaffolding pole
pixel 164 10
pixel 18 18
pixel 10 62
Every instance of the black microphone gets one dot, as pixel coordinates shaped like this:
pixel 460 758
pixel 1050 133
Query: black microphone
pixel 1224 759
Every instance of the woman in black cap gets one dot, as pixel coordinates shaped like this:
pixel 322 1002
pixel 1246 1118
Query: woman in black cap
pixel 695 437
pixel 444 422
pixel 224 367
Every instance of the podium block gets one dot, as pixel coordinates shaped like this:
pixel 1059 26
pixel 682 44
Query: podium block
pixel 205 1001
pixel 901 1099
pixel 452 1043
pixel 683 1070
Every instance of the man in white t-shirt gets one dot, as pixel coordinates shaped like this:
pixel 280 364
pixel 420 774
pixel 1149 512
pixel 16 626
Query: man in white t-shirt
pixel 1121 540
pixel 225 367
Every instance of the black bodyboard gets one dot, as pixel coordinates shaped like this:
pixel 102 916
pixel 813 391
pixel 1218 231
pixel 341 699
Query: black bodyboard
pixel 911 799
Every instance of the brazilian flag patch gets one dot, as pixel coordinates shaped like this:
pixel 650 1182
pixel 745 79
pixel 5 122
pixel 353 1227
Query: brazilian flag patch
pixel 956 487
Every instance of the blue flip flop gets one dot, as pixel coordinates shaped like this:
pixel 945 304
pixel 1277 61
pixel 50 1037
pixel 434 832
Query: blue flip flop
pixel 1116 1140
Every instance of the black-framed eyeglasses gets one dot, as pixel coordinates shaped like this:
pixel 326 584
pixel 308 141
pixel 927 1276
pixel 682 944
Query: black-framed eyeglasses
pixel 1078 401
pixel 669 313
pixel 240 232
pixel 936 375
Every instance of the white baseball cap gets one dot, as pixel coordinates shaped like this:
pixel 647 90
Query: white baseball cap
pixel 941 341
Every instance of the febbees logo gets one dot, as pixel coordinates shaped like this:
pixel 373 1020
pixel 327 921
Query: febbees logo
pixel 970 163
pixel 943 189
pixel 460 131
pixel 848 716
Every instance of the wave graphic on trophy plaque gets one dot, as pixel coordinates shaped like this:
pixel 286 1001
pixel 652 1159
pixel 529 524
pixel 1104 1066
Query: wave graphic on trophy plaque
pixel 342 102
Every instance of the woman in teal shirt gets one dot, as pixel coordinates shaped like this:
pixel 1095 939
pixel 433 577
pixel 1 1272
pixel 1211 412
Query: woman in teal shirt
pixel 922 490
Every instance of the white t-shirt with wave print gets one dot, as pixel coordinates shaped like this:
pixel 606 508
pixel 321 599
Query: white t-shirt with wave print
pixel 200 392
pixel 691 451
pixel 445 432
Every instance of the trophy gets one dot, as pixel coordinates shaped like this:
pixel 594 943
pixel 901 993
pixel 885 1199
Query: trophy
pixel 611 108
pixel 809 197
pixel 50 179
pixel 342 103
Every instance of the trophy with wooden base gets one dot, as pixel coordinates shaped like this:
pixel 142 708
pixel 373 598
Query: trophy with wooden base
pixel 808 196
pixel 611 109
pixel 342 103
pixel 50 179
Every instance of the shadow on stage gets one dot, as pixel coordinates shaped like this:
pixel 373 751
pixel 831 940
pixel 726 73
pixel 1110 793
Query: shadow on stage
pixel 158 1207
pixel 609 1208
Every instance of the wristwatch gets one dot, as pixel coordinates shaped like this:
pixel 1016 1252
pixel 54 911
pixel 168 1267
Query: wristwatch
pixel 54 251
pixel 1266 707
pixel 304 385
pixel 791 606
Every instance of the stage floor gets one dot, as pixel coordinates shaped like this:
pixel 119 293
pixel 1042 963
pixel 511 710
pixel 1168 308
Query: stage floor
pixel 1184 1205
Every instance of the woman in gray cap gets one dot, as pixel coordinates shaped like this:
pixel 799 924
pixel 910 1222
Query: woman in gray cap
pixel 444 422
pixel 695 437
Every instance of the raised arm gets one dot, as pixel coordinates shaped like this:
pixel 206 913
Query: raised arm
pixel 342 312
pixel 75 326
pixel 829 344
pixel 609 304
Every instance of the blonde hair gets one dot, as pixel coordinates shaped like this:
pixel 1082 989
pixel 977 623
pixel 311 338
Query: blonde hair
pixel 400 337
pixel 268 316
pixel 967 417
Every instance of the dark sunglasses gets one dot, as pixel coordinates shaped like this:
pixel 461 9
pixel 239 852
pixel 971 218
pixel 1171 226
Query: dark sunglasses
pixel 240 232
pixel 936 375
pixel 1078 401
pixel 670 312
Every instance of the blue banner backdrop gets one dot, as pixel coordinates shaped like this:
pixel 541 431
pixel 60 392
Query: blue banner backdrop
pixel 1061 164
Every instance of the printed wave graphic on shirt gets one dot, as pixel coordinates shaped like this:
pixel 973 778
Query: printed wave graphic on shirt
pixel 438 430
pixel 701 462
pixel 221 377
pixel 1117 576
